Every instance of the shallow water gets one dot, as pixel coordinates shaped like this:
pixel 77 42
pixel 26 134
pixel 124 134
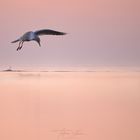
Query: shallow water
pixel 69 105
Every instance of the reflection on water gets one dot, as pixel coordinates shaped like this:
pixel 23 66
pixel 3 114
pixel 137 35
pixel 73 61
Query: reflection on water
pixel 69 105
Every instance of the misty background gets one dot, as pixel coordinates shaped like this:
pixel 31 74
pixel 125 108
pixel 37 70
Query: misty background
pixel 100 33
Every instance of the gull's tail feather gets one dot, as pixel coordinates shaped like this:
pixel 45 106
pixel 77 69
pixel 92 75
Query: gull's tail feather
pixel 15 41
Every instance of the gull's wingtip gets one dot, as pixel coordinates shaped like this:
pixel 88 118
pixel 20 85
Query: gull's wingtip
pixel 63 33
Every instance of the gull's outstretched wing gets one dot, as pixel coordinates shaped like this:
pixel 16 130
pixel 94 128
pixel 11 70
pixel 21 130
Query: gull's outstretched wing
pixel 48 32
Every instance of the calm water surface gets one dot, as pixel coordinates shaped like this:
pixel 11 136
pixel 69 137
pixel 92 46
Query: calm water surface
pixel 69 106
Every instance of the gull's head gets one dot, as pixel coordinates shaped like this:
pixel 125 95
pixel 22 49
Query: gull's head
pixel 38 41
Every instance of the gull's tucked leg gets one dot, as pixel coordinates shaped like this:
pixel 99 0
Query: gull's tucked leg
pixel 19 45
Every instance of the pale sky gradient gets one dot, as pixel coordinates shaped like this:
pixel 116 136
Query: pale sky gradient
pixel 100 33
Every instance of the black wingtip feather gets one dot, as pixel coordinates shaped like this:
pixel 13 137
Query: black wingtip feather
pixel 49 32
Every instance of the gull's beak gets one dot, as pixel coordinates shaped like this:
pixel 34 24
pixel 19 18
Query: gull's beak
pixel 38 41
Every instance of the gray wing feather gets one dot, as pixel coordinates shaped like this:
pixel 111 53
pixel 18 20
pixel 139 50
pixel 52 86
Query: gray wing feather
pixel 48 32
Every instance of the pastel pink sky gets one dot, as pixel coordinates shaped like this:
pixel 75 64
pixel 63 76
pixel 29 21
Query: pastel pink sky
pixel 100 32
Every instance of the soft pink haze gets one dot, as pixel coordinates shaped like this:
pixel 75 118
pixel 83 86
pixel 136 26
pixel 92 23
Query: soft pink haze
pixel 93 105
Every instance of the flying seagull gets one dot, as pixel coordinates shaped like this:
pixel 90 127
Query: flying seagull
pixel 34 36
